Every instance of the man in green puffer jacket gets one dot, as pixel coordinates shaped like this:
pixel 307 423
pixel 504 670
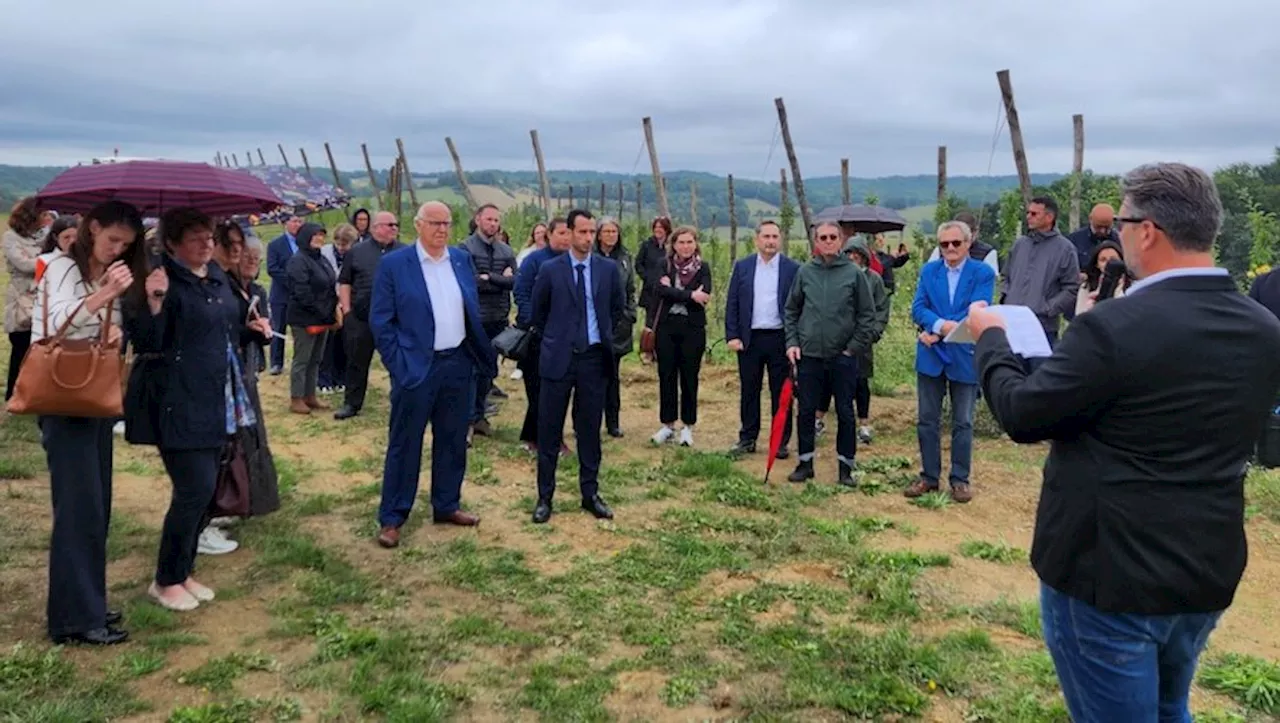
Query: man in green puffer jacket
pixel 830 321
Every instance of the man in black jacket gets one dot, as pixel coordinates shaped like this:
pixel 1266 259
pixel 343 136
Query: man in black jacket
pixel 1139 539
pixel 495 267
pixel 355 294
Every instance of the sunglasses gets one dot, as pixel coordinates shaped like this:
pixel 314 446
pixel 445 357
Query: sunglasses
pixel 950 244
pixel 828 237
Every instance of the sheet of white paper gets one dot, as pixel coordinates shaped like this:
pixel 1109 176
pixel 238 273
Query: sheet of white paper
pixel 1026 335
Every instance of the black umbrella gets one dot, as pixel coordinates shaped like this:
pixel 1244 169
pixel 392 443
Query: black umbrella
pixel 864 218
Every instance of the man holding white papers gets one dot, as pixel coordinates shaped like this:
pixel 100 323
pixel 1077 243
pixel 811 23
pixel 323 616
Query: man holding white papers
pixel 947 287
pixel 1043 271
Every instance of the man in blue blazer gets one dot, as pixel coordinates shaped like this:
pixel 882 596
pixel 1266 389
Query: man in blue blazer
pixel 753 316
pixel 946 289
pixel 425 318
pixel 577 301
pixel 279 252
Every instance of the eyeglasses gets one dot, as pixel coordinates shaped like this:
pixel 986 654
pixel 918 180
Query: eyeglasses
pixel 392 224
pixel 828 237
pixel 437 224
pixel 1122 220
pixel 949 244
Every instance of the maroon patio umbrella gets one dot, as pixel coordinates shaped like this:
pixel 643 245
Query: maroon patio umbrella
pixel 155 186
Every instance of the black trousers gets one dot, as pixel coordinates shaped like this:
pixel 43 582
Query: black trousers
pixel 485 383
pixel 19 342
pixel 679 347
pixel 279 311
pixel 532 390
pixel 358 338
pixel 194 473
pixel 613 395
pixel 767 352
pixel 862 397
pixel 841 373
pixel 333 367
pixel 584 382
pixel 78 451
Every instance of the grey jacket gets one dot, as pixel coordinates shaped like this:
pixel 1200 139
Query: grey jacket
pixel 1043 274
pixel 495 293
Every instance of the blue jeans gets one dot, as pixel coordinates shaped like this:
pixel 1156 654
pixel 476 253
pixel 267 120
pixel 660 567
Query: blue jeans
pixel 929 393
pixel 1122 666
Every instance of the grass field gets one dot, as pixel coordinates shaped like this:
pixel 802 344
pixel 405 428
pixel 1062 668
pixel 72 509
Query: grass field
pixel 711 597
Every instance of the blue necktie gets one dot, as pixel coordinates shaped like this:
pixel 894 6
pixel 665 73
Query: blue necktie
pixel 583 338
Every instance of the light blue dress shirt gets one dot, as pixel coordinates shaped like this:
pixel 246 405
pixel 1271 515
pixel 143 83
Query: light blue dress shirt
pixel 593 326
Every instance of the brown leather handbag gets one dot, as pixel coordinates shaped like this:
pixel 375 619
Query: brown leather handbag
pixel 70 377
pixel 649 336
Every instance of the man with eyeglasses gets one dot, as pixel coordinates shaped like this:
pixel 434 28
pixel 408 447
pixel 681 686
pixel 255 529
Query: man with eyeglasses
pixel 829 322
pixel 1043 270
pixel 355 290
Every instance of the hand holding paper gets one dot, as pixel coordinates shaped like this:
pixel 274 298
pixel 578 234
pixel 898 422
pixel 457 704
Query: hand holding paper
pixel 1026 335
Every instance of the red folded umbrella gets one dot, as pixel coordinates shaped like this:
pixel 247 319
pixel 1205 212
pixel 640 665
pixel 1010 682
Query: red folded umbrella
pixel 779 425
pixel 156 186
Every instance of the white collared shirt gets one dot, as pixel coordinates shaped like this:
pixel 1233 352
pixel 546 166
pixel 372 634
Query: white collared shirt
pixel 764 303
pixel 1173 274
pixel 446 299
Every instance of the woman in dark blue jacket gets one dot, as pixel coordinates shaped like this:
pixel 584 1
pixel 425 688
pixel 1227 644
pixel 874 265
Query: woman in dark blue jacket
pixel 313 310
pixel 194 397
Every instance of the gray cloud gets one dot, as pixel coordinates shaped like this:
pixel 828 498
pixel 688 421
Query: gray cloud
pixel 882 83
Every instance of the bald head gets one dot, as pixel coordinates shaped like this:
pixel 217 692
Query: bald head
pixel 1101 218
pixel 385 228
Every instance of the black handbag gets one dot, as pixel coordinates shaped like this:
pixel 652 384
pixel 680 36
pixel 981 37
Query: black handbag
pixel 513 343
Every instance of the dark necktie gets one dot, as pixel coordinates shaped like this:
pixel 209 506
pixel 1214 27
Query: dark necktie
pixel 583 339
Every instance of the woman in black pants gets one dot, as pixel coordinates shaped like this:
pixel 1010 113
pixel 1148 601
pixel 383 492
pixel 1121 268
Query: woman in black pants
pixel 608 244
pixel 187 331
pixel 680 328
pixel 82 289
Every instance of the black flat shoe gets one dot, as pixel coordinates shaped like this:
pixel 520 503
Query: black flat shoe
pixel 615 432
pixel 114 617
pixel 597 507
pixel 100 636
pixel 542 512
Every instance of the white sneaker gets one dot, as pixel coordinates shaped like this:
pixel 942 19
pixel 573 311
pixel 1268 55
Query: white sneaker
pixel 223 522
pixel 118 429
pixel 663 435
pixel 864 434
pixel 686 437
pixel 212 542
pixel 819 428
pixel 517 374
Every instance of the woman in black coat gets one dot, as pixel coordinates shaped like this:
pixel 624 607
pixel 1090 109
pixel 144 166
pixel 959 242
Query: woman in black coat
pixel 608 244
pixel 193 399
pixel 680 328
pixel 313 312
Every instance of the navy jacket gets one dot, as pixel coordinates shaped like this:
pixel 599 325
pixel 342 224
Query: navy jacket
pixel 404 326
pixel 556 310
pixel 742 295
pixel 177 394
pixel 525 278
pixel 1085 242
pixel 278 255
pixel 1266 291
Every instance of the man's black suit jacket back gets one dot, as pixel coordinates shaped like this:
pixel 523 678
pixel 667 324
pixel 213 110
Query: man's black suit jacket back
pixel 1153 403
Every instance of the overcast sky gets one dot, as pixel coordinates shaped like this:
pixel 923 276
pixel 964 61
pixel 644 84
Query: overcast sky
pixel 882 82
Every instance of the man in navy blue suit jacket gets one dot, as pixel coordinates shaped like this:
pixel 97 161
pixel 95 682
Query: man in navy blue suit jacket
pixel 577 301
pixel 753 318
pixel 425 317
pixel 279 252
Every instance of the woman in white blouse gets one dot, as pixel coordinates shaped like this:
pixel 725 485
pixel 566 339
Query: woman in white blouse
pixel 83 287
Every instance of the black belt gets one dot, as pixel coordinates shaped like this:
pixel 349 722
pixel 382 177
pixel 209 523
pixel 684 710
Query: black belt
pixel 448 352
pixel 767 331
pixel 589 350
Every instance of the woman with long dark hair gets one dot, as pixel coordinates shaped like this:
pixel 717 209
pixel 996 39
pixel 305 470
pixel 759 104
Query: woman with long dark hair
pixel 609 245
pixel 82 288
pixel 651 264
pixel 187 331
pixel 363 224
pixel 679 316
pixel 1088 294
pixel 62 233
pixel 21 245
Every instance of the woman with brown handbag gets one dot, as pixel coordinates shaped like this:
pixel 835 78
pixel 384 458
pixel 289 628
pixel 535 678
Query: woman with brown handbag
pixel 187 331
pixel 81 290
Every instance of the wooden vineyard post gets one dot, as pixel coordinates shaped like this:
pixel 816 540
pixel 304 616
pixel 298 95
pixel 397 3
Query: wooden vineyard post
pixel 1077 169
pixel 640 211
pixel 1015 135
pixel 337 177
pixel 373 179
pixel 217 159
pixel 570 196
pixel 602 192
pixel 733 224
pixel 283 156
pixel 942 176
pixel 462 176
pixel 659 185
pixel 845 196
pixel 305 163
pixel 795 170
pixel 235 160
pixel 408 175
pixel 542 174
pixel 693 203
pixel 262 160
pixel 619 203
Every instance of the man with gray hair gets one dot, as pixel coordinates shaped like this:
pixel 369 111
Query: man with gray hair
pixel 1139 538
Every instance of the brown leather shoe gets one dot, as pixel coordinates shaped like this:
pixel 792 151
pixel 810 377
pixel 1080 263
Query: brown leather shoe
pixel 918 488
pixel 314 403
pixel 460 518
pixel 389 537
pixel 960 492
pixel 298 405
